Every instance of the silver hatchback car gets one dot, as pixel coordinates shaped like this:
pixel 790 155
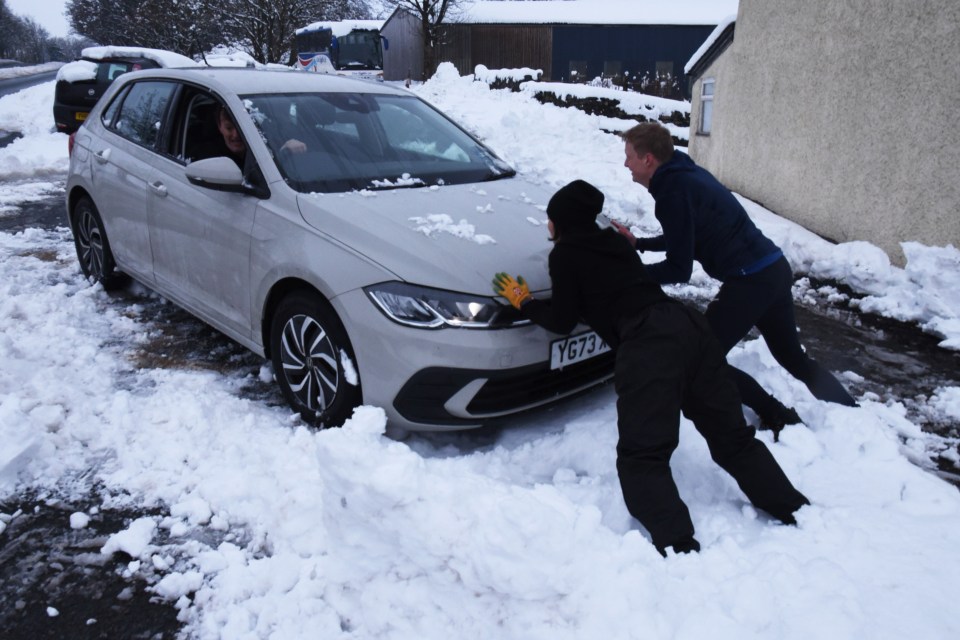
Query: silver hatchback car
pixel 346 230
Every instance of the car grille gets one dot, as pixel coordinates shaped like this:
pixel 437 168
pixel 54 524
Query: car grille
pixel 421 400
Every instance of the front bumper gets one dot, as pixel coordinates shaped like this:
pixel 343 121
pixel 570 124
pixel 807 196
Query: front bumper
pixel 447 397
pixel 455 378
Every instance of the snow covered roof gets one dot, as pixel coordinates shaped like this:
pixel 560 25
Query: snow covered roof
pixel 77 71
pixel 160 56
pixel 342 27
pixel 86 69
pixel 709 43
pixel 620 12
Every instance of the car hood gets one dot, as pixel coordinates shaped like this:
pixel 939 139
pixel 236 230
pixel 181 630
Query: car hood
pixel 452 237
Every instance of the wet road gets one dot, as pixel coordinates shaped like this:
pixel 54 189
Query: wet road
pixel 12 85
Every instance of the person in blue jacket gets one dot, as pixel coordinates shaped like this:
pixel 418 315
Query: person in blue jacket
pixel 702 220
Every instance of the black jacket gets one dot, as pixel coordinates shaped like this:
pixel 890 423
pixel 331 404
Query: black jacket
pixel 599 279
pixel 702 221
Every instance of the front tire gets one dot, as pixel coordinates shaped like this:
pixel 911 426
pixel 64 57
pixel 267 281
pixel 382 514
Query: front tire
pixel 308 345
pixel 93 248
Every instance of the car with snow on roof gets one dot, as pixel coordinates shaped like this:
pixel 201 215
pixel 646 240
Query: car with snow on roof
pixel 358 260
pixel 81 83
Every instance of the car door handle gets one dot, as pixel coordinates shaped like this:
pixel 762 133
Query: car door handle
pixel 102 156
pixel 159 188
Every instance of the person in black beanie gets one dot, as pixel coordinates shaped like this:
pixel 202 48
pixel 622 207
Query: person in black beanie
pixel 667 361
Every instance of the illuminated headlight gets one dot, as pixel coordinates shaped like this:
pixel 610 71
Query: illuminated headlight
pixel 434 308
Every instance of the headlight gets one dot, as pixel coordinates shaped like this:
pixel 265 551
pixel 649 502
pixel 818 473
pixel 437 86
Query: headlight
pixel 434 308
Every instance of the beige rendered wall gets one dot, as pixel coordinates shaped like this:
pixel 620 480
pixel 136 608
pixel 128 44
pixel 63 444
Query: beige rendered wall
pixel 844 116
pixel 706 149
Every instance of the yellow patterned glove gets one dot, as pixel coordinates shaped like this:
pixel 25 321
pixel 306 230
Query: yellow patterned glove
pixel 515 291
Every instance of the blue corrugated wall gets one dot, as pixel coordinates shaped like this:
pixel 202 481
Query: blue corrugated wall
pixel 637 48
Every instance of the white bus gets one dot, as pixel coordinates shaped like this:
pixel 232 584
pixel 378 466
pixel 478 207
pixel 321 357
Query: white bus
pixel 352 47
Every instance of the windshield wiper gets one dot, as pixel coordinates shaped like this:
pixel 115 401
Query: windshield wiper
pixel 499 176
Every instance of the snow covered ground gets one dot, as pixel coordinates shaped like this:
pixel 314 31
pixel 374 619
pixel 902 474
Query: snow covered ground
pixel 345 533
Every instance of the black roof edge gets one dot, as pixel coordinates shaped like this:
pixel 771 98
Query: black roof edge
pixel 724 40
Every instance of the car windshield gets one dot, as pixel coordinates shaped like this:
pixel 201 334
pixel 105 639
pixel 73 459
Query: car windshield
pixel 334 142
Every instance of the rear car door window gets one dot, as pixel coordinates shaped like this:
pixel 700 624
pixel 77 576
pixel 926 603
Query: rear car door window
pixel 107 72
pixel 142 111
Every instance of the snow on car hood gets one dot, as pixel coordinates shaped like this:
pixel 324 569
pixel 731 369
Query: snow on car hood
pixel 452 237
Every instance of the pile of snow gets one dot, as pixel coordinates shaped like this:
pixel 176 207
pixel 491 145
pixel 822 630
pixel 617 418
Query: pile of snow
pixel 630 102
pixel 278 531
pixel 483 74
pixel 40 152
pixel 30 70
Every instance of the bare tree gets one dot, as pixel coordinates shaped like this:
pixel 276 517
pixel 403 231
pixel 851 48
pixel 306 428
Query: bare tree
pixel 267 27
pixel 431 14
pixel 68 48
pixel 35 39
pixel 10 28
pixel 22 38
pixel 264 28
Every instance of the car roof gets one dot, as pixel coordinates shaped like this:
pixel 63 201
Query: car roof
pixel 162 57
pixel 246 81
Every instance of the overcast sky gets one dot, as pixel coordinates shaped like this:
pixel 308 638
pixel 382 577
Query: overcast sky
pixel 49 13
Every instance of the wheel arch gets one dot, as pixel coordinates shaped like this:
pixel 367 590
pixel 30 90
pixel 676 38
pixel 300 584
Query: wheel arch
pixel 73 197
pixel 280 290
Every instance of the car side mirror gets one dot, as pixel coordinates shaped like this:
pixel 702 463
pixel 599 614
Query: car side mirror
pixel 220 174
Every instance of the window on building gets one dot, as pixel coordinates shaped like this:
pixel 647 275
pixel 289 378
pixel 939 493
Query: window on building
pixel 578 71
pixel 706 106
pixel 611 68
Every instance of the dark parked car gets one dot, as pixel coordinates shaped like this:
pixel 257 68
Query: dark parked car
pixel 81 83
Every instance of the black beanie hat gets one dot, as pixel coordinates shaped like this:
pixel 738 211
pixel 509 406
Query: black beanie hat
pixel 575 207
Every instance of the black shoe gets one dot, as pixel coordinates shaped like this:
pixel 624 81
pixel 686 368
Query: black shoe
pixel 787 517
pixel 687 545
pixel 778 418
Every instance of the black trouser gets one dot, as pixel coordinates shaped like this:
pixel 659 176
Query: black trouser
pixel 764 300
pixel 668 360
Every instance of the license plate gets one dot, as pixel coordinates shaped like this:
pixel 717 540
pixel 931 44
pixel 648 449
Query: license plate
pixel 574 349
pixel 81 115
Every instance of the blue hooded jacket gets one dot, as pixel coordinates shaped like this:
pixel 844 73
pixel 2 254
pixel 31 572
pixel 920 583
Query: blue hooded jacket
pixel 702 221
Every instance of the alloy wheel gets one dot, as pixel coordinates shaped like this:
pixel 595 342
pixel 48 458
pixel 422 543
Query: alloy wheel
pixel 90 244
pixel 309 362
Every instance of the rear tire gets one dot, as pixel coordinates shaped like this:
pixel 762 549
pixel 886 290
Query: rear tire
pixel 307 347
pixel 93 248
